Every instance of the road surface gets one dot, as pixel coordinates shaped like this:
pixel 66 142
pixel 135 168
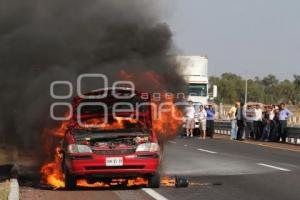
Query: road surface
pixel 217 169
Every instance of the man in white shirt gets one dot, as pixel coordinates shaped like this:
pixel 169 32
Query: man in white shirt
pixel 202 116
pixel 257 122
pixel 249 116
pixel 190 119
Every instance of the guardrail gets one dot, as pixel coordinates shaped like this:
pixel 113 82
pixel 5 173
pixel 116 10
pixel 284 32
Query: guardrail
pixel 293 133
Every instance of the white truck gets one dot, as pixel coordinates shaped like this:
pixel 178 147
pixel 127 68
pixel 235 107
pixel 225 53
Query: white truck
pixel 194 69
pixel 195 72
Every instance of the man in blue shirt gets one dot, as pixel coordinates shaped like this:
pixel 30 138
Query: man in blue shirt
pixel 284 115
pixel 210 121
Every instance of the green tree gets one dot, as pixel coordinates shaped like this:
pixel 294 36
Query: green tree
pixel 286 90
pixel 270 84
pixel 297 88
pixel 269 89
pixel 255 91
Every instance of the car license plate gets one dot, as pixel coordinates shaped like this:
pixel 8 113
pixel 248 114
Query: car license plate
pixel 116 161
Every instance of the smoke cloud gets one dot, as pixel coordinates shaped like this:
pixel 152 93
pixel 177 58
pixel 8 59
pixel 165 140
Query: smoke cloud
pixel 46 40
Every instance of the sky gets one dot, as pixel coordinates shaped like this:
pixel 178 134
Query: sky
pixel 247 37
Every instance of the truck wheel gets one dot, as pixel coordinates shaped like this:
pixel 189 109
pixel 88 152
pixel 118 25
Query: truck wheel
pixel 70 181
pixel 154 181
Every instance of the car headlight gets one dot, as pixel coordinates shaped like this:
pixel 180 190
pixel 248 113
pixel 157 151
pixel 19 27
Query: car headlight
pixel 150 147
pixel 78 148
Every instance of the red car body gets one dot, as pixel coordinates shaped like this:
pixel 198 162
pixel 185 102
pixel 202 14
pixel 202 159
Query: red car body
pixel 93 153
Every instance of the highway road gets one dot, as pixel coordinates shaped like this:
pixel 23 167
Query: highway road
pixel 217 169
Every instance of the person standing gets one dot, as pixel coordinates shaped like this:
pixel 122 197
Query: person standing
pixel 202 116
pixel 232 117
pixel 266 125
pixel 275 125
pixel 284 115
pixel 190 119
pixel 272 119
pixel 249 116
pixel 240 121
pixel 257 124
pixel 210 121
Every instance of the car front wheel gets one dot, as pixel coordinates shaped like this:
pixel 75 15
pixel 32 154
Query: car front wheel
pixel 154 180
pixel 70 181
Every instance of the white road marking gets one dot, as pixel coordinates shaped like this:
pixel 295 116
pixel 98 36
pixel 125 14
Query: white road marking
pixel 274 167
pixel 154 194
pixel 14 190
pixel 207 151
pixel 185 145
pixel 172 142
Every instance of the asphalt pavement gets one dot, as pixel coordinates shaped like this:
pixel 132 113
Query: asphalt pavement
pixel 216 169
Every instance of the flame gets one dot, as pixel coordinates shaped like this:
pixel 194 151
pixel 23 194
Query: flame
pixel 60 131
pixel 136 182
pixel 167 182
pixel 153 78
pixel 114 182
pixel 52 174
pixel 84 183
pixel 168 120
pixel 118 123
pixel 166 123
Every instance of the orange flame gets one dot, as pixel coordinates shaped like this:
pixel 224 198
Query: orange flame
pixel 119 123
pixel 166 123
pixel 114 182
pixel 136 182
pixel 153 77
pixel 84 183
pixel 52 174
pixel 167 182
pixel 168 119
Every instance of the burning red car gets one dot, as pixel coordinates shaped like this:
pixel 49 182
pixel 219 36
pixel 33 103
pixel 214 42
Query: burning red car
pixel 111 138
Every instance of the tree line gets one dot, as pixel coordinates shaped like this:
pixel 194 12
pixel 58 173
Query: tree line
pixel 268 90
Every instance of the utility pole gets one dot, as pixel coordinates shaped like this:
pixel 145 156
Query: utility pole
pixel 246 91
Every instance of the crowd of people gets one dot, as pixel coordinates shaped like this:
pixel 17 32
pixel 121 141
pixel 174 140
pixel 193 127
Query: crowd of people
pixel 250 121
pixel 258 122
pixel 202 118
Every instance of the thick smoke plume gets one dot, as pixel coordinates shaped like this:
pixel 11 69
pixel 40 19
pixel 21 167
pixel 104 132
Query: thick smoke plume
pixel 46 40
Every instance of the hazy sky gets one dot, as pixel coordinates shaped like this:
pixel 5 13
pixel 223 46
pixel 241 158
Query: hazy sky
pixel 248 37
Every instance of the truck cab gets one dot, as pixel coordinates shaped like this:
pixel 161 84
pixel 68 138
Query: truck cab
pixel 194 70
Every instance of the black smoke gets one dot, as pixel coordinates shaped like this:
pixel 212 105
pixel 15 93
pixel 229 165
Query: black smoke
pixel 46 40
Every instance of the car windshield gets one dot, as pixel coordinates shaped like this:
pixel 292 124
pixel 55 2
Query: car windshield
pixel 117 124
pixel 113 113
pixel 197 90
pixel 109 123
pixel 110 105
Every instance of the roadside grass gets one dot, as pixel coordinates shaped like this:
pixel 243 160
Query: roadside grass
pixel 4 190
pixel 8 156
